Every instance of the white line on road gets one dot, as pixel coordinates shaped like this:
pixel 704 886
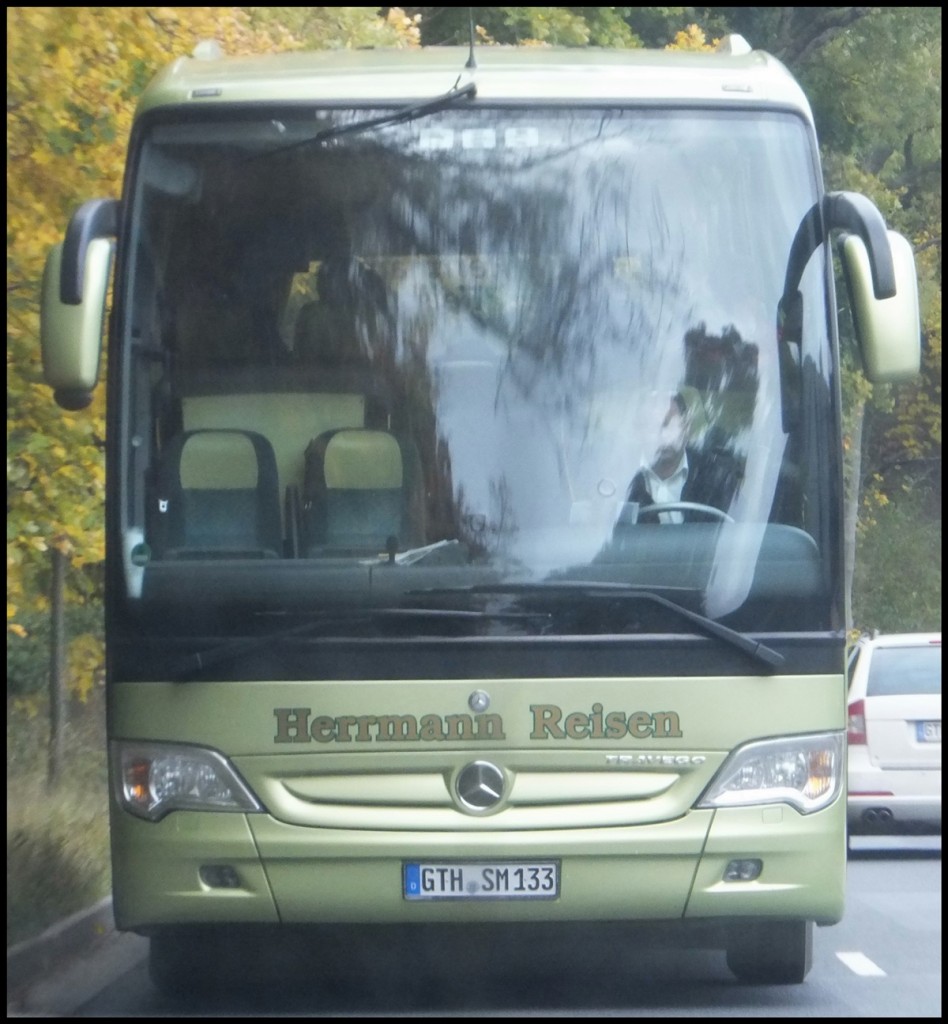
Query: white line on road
pixel 859 963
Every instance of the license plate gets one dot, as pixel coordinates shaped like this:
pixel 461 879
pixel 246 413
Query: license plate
pixel 482 880
pixel 929 732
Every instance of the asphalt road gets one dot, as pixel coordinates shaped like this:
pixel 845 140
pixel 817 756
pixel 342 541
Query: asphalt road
pixel 883 960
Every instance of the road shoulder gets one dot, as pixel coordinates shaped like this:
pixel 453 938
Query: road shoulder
pixel 70 963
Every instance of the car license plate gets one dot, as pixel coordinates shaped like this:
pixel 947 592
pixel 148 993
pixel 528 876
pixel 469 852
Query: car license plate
pixel 929 732
pixel 482 880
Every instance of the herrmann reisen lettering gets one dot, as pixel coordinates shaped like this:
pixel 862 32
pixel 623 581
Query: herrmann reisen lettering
pixel 300 725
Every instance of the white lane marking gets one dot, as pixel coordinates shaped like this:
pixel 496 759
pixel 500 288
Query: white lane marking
pixel 859 963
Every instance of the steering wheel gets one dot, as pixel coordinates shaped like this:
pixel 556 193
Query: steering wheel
pixel 686 506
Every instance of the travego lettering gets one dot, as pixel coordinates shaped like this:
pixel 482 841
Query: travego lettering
pixel 655 760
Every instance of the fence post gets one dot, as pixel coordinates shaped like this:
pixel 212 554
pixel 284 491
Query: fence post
pixel 57 668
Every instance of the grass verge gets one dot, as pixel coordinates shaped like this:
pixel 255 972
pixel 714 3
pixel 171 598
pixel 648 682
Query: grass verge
pixel 57 840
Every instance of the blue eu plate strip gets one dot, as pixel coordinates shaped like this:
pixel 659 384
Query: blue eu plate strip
pixel 412 879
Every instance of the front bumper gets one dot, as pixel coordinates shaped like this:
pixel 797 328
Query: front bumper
pixel 294 874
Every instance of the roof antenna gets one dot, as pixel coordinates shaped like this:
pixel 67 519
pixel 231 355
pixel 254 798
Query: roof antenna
pixel 471 63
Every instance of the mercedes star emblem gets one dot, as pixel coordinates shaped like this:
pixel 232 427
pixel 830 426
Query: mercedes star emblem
pixel 479 785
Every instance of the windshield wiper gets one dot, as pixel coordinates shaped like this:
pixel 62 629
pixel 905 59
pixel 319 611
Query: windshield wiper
pixel 399 116
pixel 626 592
pixel 451 97
pixel 198 661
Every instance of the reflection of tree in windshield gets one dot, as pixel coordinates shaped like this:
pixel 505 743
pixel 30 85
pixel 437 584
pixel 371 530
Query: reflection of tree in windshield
pixel 542 285
pixel 538 271
pixel 723 369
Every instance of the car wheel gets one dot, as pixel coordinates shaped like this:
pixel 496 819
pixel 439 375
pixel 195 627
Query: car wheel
pixel 771 952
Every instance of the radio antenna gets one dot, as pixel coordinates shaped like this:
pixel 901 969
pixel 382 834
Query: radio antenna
pixel 471 62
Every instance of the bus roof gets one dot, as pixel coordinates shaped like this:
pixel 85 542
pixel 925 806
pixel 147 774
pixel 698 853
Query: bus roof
pixel 734 75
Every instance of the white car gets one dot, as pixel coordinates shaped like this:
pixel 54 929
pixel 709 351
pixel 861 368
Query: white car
pixel 895 734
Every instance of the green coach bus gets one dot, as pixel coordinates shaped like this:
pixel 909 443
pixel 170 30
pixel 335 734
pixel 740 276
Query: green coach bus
pixel 474 505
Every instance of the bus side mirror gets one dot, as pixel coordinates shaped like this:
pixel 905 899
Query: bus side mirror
pixel 71 335
pixel 72 316
pixel 888 330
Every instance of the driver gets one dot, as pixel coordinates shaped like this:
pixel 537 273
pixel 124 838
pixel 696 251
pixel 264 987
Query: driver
pixel 678 470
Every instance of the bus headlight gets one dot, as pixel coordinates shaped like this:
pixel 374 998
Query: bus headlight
pixel 153 779
pixel 803 771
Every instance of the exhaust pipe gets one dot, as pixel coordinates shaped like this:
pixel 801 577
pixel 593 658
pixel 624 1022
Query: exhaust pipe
pixel 885 816
pixel 870 817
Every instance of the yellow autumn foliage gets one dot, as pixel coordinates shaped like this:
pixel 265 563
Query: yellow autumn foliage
pixel 692 38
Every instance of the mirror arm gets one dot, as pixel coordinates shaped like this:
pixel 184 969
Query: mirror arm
pixel 848 211
pixel 97 218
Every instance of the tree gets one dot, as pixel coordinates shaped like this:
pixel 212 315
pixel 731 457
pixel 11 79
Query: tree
pixel 73 78
pixel 876 95
pixel 333 28
pixel 555 26
pixel 73 75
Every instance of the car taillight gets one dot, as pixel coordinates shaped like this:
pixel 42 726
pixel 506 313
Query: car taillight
pixel 857 722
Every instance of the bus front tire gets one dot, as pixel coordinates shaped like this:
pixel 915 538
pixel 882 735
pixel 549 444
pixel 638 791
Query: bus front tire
pixel 770 952
pixel 185 960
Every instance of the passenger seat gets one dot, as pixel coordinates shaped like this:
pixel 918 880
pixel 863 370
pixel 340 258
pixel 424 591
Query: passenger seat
pixel 359 493
pixel 218 497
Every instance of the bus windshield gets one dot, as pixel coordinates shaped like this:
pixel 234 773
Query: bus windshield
pixel 488 372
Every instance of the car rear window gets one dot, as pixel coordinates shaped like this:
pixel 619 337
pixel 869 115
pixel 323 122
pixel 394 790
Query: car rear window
pixel 903 670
